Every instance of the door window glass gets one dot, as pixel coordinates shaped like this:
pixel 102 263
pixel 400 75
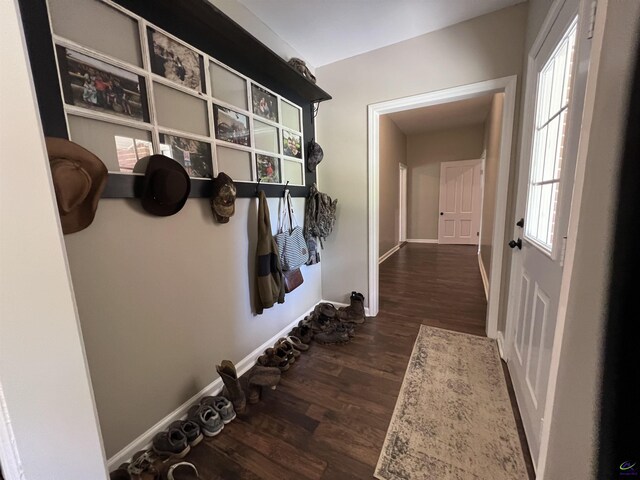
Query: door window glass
pixel 552 105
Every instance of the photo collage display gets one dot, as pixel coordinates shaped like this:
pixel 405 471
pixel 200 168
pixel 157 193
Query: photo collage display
pixel 252 135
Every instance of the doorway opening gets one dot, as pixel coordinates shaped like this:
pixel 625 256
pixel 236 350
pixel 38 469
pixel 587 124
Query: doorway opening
pixel 376 115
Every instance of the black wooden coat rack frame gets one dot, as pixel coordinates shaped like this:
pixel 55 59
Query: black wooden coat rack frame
pixel 202 25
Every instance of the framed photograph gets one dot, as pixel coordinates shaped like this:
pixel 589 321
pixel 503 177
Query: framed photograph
pixel 264 103
pixel 291 144
pixel 130 150
pixel 175 61
pixel 268 168
pixel 193 155
pixel 231 126
pixel 96 85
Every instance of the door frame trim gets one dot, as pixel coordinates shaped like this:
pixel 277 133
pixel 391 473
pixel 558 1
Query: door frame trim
pixel 404 202
pixel 375 110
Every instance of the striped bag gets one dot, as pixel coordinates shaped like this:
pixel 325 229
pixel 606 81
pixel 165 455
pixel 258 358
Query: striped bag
pixel 292 246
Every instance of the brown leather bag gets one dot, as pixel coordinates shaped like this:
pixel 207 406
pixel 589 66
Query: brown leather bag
pixel 292 280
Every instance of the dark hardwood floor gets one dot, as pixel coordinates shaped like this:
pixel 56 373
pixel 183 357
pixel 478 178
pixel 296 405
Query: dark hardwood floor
pixel 328 417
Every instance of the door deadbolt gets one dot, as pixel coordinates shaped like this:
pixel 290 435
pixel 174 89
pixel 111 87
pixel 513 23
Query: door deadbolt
pixel 514 244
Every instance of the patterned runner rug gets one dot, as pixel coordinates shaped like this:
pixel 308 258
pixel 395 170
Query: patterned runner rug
pixel 453 419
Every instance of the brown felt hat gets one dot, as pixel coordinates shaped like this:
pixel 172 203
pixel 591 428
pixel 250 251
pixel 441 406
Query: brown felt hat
pixel 223 198
pixel 79 178
pixel 166 186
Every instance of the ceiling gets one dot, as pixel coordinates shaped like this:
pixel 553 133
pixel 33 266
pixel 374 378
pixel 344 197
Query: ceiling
pixel 473 111
pixel 325 31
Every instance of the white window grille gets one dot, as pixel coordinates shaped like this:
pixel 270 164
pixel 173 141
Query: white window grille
pixel 552 105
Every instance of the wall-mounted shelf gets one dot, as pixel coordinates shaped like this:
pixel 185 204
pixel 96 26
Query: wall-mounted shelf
pixel 201 25
pixel 204 26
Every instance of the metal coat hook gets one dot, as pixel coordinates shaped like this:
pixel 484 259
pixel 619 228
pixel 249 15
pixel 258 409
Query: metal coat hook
pixel 285 187
pixel 258 185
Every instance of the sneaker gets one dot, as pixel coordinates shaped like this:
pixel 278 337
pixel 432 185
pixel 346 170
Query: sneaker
pixel 209 420
pixel 172 443
pixel 143 461
pixel 303 332
pixel 274 358
pixel 319 323
pixel 333 336
pixel 190 429
pixel 221 405
pixel 326 309
pixel 288 348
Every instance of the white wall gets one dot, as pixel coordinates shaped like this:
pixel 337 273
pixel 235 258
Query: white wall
pixel 480 49
pixel 43 372
pixel 256 27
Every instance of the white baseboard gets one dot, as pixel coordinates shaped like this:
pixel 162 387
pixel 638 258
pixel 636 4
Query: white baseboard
pixel 388 254
pixel 340 304
pixel 144 440
pixel 422 240
pixel 500 339
pixel 485 278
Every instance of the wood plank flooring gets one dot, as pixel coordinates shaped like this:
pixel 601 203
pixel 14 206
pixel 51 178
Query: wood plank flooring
pixel 329 416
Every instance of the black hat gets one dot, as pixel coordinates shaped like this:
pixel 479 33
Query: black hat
pixel 314 155
pixel 166 186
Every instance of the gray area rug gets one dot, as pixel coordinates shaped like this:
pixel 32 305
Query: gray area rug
pixel 453 419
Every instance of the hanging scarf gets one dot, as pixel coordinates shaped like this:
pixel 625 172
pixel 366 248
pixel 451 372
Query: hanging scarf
pixel 270 282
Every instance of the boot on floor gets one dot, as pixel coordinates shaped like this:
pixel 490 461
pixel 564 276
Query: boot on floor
pixel 258 378
pixel 233 390
pixel 354 313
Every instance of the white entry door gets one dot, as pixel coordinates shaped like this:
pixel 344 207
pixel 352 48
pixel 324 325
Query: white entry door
pixel 460 202
pixel 553 115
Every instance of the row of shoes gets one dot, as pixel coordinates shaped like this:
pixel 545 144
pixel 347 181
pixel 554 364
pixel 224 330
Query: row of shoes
pixel 326 325
pixel 206 418
pixel 147 465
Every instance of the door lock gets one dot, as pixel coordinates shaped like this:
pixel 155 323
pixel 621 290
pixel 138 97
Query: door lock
pixel 520 223
pixel 514 244
pixel 441 213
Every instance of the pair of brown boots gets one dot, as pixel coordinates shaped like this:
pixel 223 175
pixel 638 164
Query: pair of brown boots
pixel 336 326
pixel 249 386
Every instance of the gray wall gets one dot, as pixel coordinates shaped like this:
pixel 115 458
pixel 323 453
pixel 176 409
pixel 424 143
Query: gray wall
pixel 393 151
pixel 425 153
pixel 492 138
pixel 575 414
pixel 483 48
pixel 161 300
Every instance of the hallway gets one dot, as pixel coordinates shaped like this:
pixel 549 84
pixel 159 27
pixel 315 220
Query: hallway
pixel 329 416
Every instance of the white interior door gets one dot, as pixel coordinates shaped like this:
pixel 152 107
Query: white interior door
pixel 553 115
pixel 460 202
pixel 403 203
